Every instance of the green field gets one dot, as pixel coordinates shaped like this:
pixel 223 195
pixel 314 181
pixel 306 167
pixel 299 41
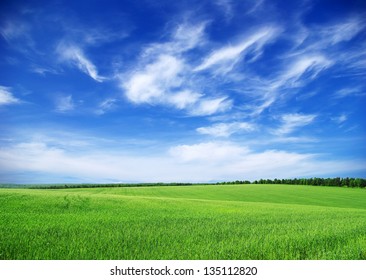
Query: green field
pixel 186 222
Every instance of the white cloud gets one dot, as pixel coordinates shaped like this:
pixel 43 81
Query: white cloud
pixel 65 104
pixel 224 59
pixel 225 129
pixel 162 74
pixel 209 151
pixel 201 162
pixel 210 106
pixel 72 53
pixel 229 160
pixel 6 96
pixel 184 99
pixel 155 81
pixel 162 82
pixel 290 122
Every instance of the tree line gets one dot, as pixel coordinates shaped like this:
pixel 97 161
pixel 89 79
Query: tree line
pixel 106 185
pixel 336 182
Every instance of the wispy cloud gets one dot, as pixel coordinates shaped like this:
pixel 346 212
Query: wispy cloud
pixel 226 129
pixel 262 103
pixel 292 139
pixel 43 70
pixel 184 37
pixel 226 6
pixel 224 59
pixel 256 5
pixel 106 105
pixel 314 51
pixel 342 31
pixel 164 76
pixel 327 36
pixel 186 85
pixel 65 104
pixel 74 54
pixel 340 119
pixel 297 72
pixel 18 35
pixel 94 35
pixel 330 39
pixel 348 92
pixel 7 97
pixel 162 70
pixel 184 99
pixel 13 30
pixel 210 106
pixel 303 69
pixel 291 122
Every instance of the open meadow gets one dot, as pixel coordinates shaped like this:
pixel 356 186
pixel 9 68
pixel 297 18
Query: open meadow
pixel 184 222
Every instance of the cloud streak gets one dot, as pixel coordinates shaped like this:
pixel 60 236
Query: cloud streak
pixel 342 31
pixel 226 129
pixel 224 59
pixel 74 55
pixel 291 122
pixel 106 105
pixel 303 69
pixel 7 97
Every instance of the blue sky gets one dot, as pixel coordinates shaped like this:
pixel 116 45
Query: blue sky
pixel 183 91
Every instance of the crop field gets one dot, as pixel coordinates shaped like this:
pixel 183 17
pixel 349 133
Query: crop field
pixel 186 222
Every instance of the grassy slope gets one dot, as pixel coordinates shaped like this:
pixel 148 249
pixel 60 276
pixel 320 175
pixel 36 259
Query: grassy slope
pixel 191 222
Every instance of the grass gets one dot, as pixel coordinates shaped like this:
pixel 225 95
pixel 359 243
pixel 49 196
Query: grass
pixel 188 222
